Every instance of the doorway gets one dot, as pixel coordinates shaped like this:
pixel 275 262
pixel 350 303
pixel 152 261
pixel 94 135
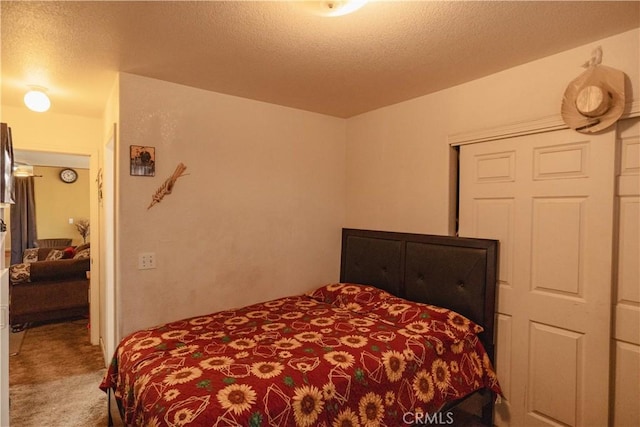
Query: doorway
pixel 60 209
pixel 57 221
pixel 60 205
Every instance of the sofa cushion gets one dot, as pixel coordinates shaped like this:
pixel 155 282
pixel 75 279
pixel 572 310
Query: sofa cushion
pixel 43 253
pixel 54 254
pixel 83 254
pixel 83 246
pixel 30 255
pixel 20 273
pixel 69 252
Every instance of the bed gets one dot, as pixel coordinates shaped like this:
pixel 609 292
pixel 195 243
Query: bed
pixel 382 347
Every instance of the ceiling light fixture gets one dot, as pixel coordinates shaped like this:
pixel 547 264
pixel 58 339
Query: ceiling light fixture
pixel 37 100
pixel 339 7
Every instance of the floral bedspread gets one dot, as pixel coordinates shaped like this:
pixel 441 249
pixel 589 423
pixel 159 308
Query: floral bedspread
pixel 343 355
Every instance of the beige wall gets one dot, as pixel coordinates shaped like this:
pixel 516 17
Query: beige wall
pixel 51 132
pixel 257 217
pixel 57 201
pixel 398 174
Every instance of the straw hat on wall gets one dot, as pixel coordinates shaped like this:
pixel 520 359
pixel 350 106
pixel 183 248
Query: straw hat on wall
pixel 595 100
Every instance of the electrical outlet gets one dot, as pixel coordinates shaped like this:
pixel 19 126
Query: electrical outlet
pixel 146 260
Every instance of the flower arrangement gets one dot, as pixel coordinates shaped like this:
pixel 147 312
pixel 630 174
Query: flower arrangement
pixel 82 225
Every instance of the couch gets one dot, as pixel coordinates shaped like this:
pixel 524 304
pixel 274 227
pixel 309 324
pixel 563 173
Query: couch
pixel 50 284
pixel 53 243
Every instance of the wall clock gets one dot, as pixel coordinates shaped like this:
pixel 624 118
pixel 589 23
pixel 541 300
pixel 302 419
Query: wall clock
pixel 68 175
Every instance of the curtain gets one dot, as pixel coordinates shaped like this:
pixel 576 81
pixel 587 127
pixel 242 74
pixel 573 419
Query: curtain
pixel 23 218
pixel 6 164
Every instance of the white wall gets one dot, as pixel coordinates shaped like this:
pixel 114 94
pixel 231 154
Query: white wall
pixel 398 174
pixel 257 217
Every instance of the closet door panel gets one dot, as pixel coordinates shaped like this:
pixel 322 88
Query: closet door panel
pixel 626 339
pixel 626 411
pixel 549 199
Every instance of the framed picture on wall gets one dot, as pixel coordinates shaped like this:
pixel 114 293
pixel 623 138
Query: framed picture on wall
pixel 142 160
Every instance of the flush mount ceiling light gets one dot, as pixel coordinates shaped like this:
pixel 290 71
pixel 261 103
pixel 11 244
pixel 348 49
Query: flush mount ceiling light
pixel 37 100
pixel 340 8
pixel 334 7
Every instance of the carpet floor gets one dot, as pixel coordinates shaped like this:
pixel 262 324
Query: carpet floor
pixel 53 380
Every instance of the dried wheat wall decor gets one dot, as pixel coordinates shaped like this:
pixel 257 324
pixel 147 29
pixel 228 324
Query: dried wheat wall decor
pixel 167 187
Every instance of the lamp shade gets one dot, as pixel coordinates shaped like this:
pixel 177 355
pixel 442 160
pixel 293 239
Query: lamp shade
pixel 37 100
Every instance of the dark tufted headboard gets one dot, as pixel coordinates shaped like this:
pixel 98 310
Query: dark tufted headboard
pixel 452 272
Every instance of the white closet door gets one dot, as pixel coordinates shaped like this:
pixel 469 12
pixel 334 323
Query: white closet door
pixel 549 199
pixel 626 407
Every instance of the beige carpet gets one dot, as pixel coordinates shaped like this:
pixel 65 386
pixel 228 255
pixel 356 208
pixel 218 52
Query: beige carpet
pixel 54 379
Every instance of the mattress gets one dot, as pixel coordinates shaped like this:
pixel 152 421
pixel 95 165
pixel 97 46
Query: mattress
pixel 344 354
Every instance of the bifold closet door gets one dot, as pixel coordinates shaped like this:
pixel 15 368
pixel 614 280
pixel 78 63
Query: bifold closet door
pixel 626 328
pixel 549 199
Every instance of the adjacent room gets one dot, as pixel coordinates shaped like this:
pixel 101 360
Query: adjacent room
pixel 470 169
pixel 48 221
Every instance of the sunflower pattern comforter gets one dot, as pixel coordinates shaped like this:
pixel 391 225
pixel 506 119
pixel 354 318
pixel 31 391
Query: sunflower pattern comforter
pixel 343 355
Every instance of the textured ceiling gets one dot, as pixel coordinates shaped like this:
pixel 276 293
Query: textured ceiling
pixel 284 53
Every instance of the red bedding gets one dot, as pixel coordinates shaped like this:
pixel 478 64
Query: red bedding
pixel 342 355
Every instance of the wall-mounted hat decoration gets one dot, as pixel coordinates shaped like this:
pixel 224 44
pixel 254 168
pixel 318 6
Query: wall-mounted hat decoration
pixel 595 99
